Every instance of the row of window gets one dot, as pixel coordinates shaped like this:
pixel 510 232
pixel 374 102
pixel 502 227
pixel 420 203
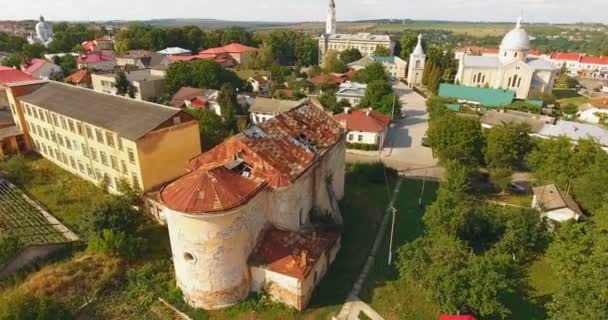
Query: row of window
pixel 74 126
pixel 351 137
pixel 83 168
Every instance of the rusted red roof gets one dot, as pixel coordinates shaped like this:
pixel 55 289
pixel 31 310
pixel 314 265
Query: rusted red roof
pixel 209 190
pixel 331 78
pixel 292 254
pixel 277 152
pixel 364 120
pixel 79 76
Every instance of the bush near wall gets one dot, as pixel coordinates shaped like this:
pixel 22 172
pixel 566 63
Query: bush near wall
pixel 362 146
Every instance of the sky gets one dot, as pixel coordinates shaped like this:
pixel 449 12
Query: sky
pixel 557 11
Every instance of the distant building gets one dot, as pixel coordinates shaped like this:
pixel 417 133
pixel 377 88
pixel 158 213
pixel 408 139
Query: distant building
pixel 148 83
pixel 364 126
pixel 175 51
pixel 512 69
pixel 141 59
pixel 535 122
pixel 394 66
pixel 41 68
pixel 44 33
pixel 11 137
pixel 264 109
pixel 239 52
pixel 555 205
pixel 80 78
pixel 105 138
pixel 366 43
pixel 98 61
pixel 99 44
pixel 187 97
pixel 353 92
pixel 416 64
pixel 239 221
pixel 259 84
pixel 332 79
pixel 576 131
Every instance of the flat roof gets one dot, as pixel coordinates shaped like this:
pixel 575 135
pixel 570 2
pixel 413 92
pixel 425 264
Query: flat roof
pixel 485 96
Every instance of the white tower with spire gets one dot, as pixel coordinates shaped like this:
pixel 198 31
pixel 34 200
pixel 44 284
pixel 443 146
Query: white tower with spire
pixel 416 64
pixel 330 24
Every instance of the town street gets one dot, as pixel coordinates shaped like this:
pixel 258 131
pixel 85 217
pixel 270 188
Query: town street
pixel 403 149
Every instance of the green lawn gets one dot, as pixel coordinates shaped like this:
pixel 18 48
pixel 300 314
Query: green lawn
pixel 66 196
pixel 540 283
pixel 391 298
pixel 569 96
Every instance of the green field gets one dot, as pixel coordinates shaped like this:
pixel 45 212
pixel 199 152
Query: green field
pixel 22 219
pixel 569 96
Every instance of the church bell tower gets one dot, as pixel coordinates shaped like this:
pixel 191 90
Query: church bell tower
pixel 330 24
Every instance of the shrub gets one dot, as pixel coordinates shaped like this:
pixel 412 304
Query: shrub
pixel 362 146
pixel 9 246
pixel 17 169
pixel 17 305
pixel 372 172
pixel 116 243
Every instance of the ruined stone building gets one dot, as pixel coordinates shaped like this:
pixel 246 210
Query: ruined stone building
pixel 240 219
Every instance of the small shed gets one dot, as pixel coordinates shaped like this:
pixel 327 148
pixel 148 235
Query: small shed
pixel 555 205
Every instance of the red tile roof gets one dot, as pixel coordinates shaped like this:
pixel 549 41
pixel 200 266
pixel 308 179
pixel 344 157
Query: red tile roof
pixel 292 254
pixel 331 78
pixel 96 57
pixel 231 48
pixel 360 120
pixel 13 76
pixel 208 191
pixel 34 65
pixel 595 60
pixel 275 152
pixel 566 56
pixel 78 77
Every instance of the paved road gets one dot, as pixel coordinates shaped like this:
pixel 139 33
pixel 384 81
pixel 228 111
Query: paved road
pixel 403 149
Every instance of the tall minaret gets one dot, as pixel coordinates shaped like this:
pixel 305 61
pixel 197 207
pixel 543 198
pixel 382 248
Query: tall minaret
pixel 416 64
pixel 330 24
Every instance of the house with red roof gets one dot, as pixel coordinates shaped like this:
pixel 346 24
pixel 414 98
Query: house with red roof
pixel 240 219
pixel 80 78
pixel 99 44
pixel 240 53
pixel 365 127
pixel 104 60
pixel 456 317
pixel 40 68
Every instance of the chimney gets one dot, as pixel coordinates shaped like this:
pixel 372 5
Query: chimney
pixel 304 260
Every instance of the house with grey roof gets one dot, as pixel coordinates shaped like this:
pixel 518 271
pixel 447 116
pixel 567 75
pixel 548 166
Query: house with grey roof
pixel 394 66
pixel 352 92
pixel 576 131
pixel 264 109
pixel 555 205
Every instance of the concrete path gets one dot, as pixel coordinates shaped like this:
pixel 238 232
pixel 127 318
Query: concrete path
pixel 353 305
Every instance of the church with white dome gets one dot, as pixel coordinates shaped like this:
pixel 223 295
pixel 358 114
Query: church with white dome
pixel 44 33
pixel 512 69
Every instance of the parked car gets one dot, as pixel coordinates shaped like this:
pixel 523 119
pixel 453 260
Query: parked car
pixel 425 142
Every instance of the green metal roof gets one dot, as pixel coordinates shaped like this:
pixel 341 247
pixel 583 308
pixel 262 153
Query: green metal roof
pixel 388 59
pixel 485 96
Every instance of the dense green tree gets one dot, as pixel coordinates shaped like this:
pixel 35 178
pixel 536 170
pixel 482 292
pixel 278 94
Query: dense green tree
pixel 117 214
pixel 18 305
pixel 67 63
pixel 212 129
pixel 67 35
pixel 375 92
pixel 373 72
pixel 350 55
pixel 307 52
pixel 32 51
pixel 409 39
pixel 506 145
pixel 10 43
pixel 332 62
pixel 123 86
pixel 382 51
pixel 237 35
pixel 200 74
pixel 456 138
pixel 13 61
pixel 228 103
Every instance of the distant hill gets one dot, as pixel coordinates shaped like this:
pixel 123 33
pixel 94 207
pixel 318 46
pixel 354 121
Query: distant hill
pixel 214 24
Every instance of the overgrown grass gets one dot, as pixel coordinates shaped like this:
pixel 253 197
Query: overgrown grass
pixel 389 296
pixel 569 96
pixel 66 196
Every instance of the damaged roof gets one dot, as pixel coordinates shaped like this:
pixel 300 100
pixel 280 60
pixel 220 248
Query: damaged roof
pixel 292 254
pixel 274 153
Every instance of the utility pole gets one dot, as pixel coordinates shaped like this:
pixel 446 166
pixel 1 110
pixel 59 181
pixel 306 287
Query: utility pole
pixel 390 244
pixel 422 191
